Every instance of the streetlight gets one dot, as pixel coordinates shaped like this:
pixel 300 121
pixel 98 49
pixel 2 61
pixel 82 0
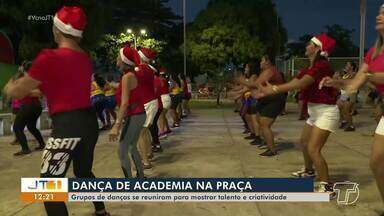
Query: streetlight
pixel 363 11
pixel 143 32
pixel 185 36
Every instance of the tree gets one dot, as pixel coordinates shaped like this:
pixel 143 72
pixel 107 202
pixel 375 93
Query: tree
pixel 108 16
pixel 218 46
pixel 297 48
pixel 110 45
pixel 344 44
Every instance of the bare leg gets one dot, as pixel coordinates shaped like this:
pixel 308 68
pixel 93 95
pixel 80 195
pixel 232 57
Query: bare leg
pixel 377 162
pixel 315 144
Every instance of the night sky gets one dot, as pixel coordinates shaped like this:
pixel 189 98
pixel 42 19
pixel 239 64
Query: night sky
pixel 309 16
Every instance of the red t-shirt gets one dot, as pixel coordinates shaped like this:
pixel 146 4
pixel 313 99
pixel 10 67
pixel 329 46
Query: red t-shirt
pixel 135 104
pixel 312 93
pixel 157 83
pixel 164 89
pixel 29 100
pixel 276 78
pixel 65 77
pixel 375 65
pixel 145 78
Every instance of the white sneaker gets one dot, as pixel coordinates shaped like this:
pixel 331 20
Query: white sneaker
pixel 303 173
pixel 163 136
pixel 325 187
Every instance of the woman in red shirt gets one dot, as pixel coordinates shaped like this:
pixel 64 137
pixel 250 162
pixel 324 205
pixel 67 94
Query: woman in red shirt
pixel 28 114
pixel 371 70
pixel 131 109
pixel 323 112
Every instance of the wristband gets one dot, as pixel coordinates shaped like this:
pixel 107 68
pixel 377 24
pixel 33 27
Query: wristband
pixel 369 74
pixel 275 89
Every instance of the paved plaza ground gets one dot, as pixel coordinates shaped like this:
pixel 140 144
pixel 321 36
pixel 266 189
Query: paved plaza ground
pixel 210 144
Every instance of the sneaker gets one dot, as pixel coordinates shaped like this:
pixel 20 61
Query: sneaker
pixel 257 141
pixel 176 125
pixel 147 166
pixel 303 173
pixel 168 131
pixel 246 131
pixel 268 153
pixel 250 137
pixel 22 152
pixel 349 128
pixel 325 187
pixel 157 149
pixel 163 135
pixel 343 125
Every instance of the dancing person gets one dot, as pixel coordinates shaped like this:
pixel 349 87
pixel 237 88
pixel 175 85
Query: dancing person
pixel 166 101
pixel 98 98
pixel 154 128
pixel 131 109
pixel 75 130
pixel 146 76
pixel 110 103
pixel 346 102
pixel 322 109
pixel 27 115
pixel 176 93
pixel 187 95
pixel 268 108
pixel 371 70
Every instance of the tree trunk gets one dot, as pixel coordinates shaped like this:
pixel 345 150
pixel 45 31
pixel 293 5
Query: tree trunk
pixel 220 89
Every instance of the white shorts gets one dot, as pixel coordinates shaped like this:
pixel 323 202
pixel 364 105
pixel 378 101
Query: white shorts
pixel 151 110
pixel 323 116
pixel 380 127
pixel 166 100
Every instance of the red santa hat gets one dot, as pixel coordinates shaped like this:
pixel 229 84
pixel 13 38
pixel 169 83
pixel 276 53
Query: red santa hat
pixel 326 44
pixel 163 70
pixel 129 56
pixel 147 54
pixel 70 20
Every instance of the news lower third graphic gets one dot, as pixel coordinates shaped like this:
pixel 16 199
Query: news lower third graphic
pixel 176 190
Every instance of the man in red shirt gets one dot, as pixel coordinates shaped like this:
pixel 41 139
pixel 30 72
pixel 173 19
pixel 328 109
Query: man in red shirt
pixel 63 75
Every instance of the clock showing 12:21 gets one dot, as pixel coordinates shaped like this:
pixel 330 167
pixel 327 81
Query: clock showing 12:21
pixel 43 196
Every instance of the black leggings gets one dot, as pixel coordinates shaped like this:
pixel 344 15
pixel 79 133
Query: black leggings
pixel 27 116
pixel 155 129
pixel 73 137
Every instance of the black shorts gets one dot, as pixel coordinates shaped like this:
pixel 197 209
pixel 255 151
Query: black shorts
pixel 252 108
pixel 176 100
pixel 271 107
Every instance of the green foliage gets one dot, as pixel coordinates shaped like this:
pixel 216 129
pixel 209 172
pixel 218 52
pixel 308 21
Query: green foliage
pixel 219 45
pixel 344 44
pixel 234 31
pixel 112 16
pixel 110 45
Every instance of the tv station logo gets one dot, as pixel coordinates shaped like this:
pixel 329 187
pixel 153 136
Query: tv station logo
pixel 44 185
